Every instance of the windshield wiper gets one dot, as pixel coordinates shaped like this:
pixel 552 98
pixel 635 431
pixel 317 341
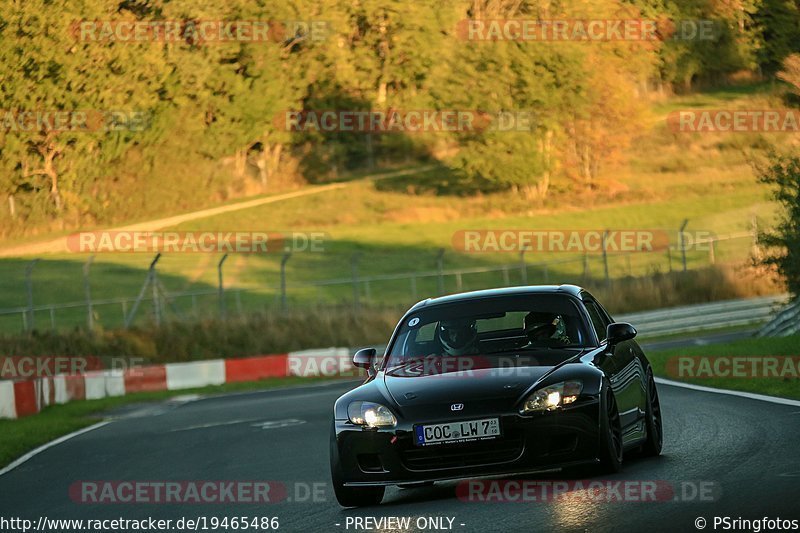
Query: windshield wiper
pixel 411 361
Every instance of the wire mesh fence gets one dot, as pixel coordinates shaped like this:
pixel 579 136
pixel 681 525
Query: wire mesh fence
pixel 57 294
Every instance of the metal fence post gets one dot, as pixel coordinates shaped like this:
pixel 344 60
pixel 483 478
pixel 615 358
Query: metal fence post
pixel 523 268
pixel 605 256
pixel 29 288
pixel 87 289
pixel 221 287
pixel 682 242
pixel 354 271
pixel 284 259
pixel 440 271
pixel 156 301
pixel 585 267
pixel 150 279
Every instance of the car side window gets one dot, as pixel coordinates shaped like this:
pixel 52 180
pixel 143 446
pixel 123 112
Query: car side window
pixel 604 313
pixel 599 322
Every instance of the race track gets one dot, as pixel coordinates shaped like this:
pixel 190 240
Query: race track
pixel 746 449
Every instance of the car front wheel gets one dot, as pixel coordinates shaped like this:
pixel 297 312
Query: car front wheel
pixel 655 435
pixel 610 432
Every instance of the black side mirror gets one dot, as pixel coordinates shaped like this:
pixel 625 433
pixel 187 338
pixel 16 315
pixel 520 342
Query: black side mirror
pixel 364 358
pixel 619 332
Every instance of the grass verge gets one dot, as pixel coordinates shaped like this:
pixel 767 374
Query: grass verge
pixel 24 434
pixel 787 387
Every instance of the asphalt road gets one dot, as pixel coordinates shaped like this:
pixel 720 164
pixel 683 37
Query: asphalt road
pixel 745 450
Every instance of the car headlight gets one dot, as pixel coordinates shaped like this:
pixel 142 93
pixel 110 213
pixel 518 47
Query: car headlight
pixel 552 397
pixel 370 414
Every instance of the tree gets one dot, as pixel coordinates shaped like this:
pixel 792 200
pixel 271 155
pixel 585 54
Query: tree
pixel 583 96
pixel 779 32
pixel 606 117
pixel 782 172
pixel 50 173
pixel 791 73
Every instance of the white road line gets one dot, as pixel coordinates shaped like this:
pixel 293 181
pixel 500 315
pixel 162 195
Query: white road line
pixel 216 424
pixel 65 438
pixel 276 424
pixel 50 444
pixel 256 392
pixel 749 395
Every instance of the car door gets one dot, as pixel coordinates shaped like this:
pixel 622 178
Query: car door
pixel 623 367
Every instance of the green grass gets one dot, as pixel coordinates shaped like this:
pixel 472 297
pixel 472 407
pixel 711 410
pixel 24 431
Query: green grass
pixel 782 346
pixel 24 434
pixel 385 247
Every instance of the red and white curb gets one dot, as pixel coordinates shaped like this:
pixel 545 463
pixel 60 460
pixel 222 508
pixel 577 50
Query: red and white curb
pixel 20 398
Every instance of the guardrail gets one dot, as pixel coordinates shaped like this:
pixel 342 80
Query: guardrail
pixel 700 317
pixel 785 323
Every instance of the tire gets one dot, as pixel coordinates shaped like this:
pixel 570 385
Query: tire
pixel 655 435
pixel 610 441
pixel 350 496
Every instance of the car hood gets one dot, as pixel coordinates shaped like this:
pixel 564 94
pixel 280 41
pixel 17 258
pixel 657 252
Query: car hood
pixel 492 380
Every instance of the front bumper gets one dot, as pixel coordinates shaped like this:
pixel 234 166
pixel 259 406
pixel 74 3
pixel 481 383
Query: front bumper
pixel 565 437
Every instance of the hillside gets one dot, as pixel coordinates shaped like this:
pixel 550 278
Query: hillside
pixel 395 226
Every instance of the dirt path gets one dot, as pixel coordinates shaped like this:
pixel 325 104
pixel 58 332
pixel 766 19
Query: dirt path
pixel 59 245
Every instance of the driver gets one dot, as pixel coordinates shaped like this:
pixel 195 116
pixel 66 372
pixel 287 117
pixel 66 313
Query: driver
pixel 541 327
pixel 458 336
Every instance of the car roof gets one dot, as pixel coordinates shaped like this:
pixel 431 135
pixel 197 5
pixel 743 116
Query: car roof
pixel 572 290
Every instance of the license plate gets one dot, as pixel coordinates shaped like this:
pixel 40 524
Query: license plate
pixel 454 432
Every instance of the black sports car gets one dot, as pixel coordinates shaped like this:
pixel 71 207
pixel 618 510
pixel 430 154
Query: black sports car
pixel 502 381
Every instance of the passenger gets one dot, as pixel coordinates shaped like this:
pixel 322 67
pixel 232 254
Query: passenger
pixel 545 329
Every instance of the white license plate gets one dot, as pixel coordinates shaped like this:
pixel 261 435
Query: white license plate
pixel 453 432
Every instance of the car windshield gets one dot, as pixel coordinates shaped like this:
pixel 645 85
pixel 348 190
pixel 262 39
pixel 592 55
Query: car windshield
pixel 490 326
